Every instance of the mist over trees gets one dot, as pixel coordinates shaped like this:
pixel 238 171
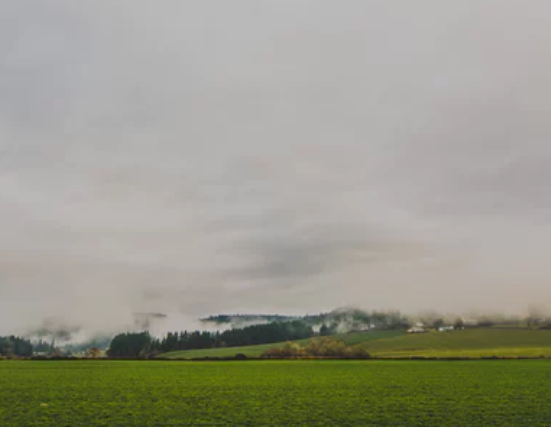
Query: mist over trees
pixel 242 320
pixel 350 319
pixel 339 320
pixel 42 346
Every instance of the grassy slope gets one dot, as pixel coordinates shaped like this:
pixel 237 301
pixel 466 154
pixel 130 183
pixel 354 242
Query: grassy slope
pixel 257 350
pixel 466 343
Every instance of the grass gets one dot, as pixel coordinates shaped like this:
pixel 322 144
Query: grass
pixel 250 351
pixel 275 393
pixel 257 350
pixel 474 343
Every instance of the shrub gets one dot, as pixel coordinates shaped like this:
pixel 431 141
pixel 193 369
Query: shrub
pixel 320 347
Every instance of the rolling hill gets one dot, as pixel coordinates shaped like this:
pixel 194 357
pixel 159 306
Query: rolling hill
pixel 257 350
pixel 484 342
pixel 473 343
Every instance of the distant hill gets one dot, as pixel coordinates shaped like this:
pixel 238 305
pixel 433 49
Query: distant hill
pixel 339 320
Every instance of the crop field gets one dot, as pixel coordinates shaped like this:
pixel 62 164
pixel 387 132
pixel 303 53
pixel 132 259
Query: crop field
pixel 275 393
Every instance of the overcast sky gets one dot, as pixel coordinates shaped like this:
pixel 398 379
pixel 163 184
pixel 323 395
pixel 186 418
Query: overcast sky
pixel 285 156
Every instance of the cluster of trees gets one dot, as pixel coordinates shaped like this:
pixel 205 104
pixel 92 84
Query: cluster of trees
pixel 130 345
pixel 44 346
pixel 142 344
pixel 319 347
pixel 13 346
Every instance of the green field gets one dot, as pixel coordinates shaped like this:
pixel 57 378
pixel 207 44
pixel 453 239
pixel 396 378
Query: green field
pixel 466 343
pixel 275 393
pixel 257 350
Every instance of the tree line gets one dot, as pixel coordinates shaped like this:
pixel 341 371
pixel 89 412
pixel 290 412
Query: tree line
pixel 13 346
pixel 143 345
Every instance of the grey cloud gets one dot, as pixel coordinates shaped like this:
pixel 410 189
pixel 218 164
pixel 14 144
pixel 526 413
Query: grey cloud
pixel 299 253
pixel 187 158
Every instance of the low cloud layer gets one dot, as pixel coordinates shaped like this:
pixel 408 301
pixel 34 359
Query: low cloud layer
pixel 291 157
